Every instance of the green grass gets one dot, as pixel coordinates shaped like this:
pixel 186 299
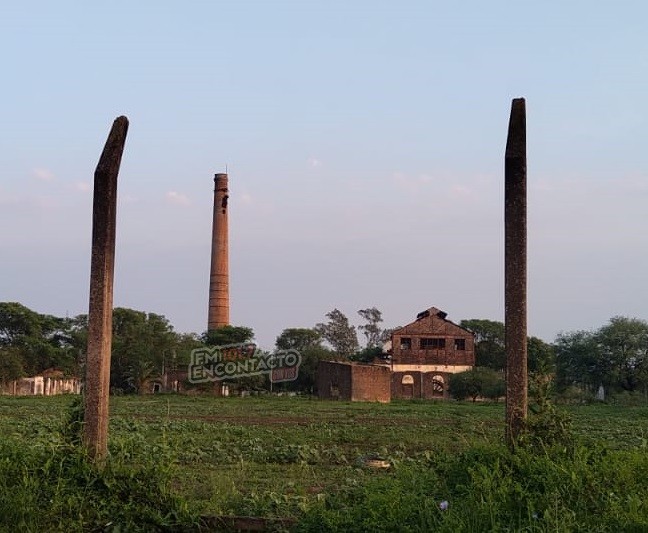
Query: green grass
pixel 303 458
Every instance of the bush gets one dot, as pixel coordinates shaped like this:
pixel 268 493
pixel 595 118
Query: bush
pixel 480 381
pixel 58 488
pixel 492 489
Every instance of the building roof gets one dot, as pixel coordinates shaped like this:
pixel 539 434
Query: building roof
pixel 435 313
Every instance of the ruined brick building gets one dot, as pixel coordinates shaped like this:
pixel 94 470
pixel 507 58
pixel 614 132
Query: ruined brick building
pixel 353 382
pixel 423 355
pixel 425 352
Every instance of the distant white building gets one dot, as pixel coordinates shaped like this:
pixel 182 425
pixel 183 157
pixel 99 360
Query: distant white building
pixel 50 383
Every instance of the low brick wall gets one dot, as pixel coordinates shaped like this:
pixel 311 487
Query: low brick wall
pixel 353 382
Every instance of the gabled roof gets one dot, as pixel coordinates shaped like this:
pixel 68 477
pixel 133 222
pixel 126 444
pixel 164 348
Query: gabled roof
pixel 433 312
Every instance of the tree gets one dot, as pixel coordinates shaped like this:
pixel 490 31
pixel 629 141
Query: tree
pixel 578 361
pixel 339 333
pixel 228 335
pixel 623 346
pixel 368 355
pixel 298 339
pixel 541 356
pixel 10 364
pixel 185 344
pixel 40 341
pixel 140 374
pixel 306 376
pixel 142 343
pixel 615 356
pixel 490 349
pixel 477 382
pixel 17 322
pixel 372 330
pixel 489 342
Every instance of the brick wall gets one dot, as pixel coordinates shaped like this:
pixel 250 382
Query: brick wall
pixel 353 382
pixel 334 380
pixel 371 383
pixel 423 385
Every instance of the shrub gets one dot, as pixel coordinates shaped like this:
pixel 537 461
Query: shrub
pixel 480 381
pixel 57 487
pixel 492 489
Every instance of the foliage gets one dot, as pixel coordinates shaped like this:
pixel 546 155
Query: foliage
pixel 546 426
pixel 59 489
pixel 541 357
pixel 228 335
pixel 487 488
pixel 289 457
pixel 306 377
pixel 339 333
pixel 490 347
pixel 185 344
pixel 479 381
pixel 38 341
pixel 489 342
pixel 298 339
pixel 376 336
pixel 11 367
pixel 615 356
pixel 576 358
pixel 368 355
pixel 140 374
pixel 142 345
pixel 623 346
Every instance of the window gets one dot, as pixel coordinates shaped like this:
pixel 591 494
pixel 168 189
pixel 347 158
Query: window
pixel 405 343
pixel 437 385
pixel 433 344
pixel 460 344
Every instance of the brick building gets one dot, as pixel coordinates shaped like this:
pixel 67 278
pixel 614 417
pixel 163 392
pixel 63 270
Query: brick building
pixel 424 354
pixel 353 382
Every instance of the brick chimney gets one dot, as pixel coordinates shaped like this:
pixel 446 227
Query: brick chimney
pixel 219 274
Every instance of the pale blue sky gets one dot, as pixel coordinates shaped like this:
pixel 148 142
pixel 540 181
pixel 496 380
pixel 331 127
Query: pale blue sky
pixel 364 142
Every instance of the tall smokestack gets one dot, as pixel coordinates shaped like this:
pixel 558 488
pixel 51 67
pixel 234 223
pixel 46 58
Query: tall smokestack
pixel 515 272
pixel 219 278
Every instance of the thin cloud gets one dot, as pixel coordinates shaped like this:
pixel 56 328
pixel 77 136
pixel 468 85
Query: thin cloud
pixel 43 174
pixel 314 162
pixel 177 198
pixel 82 186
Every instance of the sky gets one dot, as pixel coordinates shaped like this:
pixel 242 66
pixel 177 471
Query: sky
pixel 364 142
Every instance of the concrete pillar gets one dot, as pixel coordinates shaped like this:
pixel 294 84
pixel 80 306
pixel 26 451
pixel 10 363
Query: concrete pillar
pixel 219 274
pixel 102 266
pixel 515 261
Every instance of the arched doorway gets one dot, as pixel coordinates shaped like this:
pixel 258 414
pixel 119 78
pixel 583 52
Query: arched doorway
pixel 407 386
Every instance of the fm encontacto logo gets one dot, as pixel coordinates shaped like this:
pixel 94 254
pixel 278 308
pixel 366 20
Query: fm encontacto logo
pixel 241 360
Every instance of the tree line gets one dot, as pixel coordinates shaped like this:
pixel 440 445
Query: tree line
pixel 145 346
pixel 583 364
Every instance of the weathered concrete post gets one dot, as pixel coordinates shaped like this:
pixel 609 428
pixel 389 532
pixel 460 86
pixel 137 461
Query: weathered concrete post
pixel 515 277
pixel 218 315
pixel 104 211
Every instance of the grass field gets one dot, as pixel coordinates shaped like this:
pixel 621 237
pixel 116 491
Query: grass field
pixel 284 457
